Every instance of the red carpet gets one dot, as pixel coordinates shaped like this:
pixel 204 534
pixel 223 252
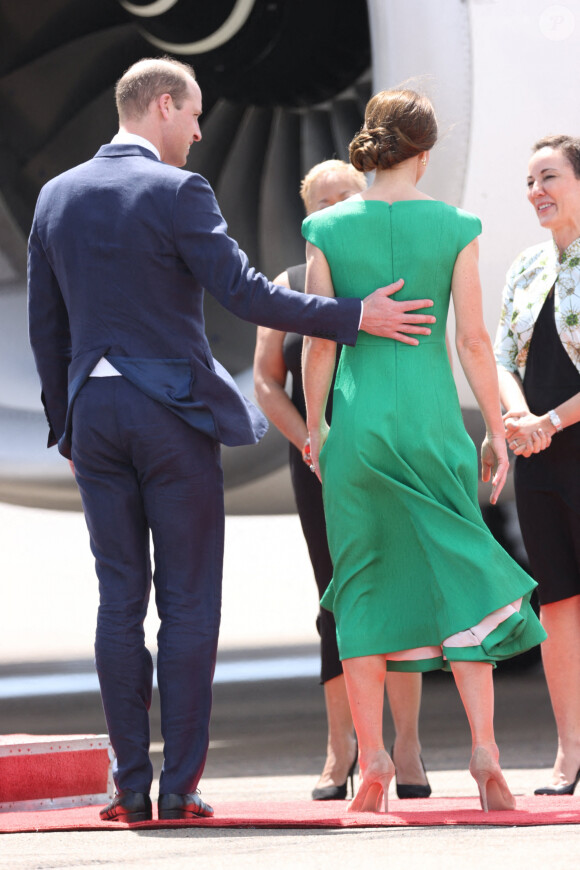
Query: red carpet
pixel 318 814
pixel 54 771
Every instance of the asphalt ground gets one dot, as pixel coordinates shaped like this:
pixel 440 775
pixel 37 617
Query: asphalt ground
pixel 267 744
pixel 267 735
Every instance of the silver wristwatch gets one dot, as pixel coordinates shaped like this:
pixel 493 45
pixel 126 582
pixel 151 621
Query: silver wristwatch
pixel 555 421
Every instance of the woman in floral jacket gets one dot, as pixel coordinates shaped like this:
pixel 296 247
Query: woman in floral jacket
pixel 537 351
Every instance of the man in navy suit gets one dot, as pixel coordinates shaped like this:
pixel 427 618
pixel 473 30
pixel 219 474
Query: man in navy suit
pixel 120 252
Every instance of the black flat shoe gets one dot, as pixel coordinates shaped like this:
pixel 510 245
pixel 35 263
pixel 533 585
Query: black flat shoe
pixel 182 806
pixel 563 789
pixel 405 792
pixel 337 792
pixel 129 806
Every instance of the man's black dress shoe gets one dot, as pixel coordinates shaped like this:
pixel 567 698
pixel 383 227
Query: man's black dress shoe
pixel 129 806
pixel 182 806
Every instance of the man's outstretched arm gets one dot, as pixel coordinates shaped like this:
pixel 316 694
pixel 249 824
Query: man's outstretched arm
pixel 224 272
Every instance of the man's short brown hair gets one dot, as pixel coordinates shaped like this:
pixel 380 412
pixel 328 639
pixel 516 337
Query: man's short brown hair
pixel 148 79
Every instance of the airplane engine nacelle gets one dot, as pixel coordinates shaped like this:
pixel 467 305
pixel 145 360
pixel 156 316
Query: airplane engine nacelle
pixel 285 83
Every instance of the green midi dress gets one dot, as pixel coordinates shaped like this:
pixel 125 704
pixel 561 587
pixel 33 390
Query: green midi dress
pixel 417 574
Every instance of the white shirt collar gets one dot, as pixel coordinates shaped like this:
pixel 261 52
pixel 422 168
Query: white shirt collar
pixel 125 138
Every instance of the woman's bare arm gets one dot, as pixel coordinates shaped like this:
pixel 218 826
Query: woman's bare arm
pixel 318 357
pixel 477 360
pixel 270 380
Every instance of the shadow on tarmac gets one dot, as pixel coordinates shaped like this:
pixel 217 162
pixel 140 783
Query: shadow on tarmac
pixel 278 726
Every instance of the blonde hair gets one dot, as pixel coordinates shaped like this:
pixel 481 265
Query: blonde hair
pixel 148 79
pixel 356 178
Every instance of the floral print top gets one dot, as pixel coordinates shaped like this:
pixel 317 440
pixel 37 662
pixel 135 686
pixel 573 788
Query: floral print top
pixel 528 282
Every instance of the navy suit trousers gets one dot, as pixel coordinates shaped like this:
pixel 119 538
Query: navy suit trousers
pixel 145 474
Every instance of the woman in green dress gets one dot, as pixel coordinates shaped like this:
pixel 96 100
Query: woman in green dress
pixel 419 582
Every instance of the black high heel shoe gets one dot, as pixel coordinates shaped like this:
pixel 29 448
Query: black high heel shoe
pixel 411 791
pixel 337 792
pixel 563 789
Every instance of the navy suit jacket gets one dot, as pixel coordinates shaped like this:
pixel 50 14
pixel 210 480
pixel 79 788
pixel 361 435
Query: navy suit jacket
pixel 120 252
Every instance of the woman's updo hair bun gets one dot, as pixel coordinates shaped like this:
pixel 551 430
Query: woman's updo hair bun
pixel 399 124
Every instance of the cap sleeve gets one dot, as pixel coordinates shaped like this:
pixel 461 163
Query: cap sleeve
pixel 469 227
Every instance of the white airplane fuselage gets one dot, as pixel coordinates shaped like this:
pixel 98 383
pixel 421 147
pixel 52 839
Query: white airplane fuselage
pixel 501 74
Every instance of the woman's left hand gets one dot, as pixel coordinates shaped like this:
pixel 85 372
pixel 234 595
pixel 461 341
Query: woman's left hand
pixel 317 439
pixel 526 434
pixel 494 464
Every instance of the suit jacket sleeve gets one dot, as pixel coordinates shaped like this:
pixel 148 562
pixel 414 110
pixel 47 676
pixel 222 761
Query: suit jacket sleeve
pixel 222 269
pixel 49 334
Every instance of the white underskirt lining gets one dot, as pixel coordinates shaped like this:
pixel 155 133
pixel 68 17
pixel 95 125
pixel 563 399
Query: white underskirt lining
pixel 471 637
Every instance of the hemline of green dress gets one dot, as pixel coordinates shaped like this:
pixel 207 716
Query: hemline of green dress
pixel 414 562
